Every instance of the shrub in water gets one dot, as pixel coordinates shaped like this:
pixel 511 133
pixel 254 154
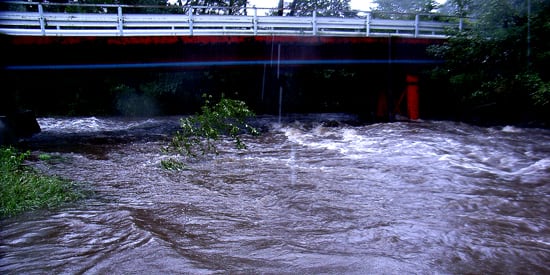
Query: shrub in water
pixel 200 133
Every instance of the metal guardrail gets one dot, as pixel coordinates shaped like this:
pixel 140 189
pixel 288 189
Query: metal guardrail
pixel 106 23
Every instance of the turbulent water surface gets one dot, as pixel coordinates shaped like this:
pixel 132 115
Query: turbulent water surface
pixel 426 198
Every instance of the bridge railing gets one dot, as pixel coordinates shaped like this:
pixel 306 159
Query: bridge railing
pixel 33 19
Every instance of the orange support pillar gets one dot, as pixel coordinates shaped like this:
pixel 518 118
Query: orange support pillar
pixel 412 97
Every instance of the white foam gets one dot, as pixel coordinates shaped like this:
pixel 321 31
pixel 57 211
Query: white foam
pixel 346 141
pixel 71 125
pixel 511 129
pixel 91 124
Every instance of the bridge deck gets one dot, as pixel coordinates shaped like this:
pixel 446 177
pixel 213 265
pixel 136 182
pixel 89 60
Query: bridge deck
pixel 119 23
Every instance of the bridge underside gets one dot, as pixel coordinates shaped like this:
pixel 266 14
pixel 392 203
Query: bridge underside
pixel 50 73
pixel 37 53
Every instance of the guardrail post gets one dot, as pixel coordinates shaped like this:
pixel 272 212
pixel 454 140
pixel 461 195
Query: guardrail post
pixel 120 25
pixel 255 22
pixel 416 20
pixel 314 22
pixel 190 18
pixel 42 19
pixel 368 24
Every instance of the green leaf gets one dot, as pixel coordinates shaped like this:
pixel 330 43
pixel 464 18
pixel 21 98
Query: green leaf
pixel 199 134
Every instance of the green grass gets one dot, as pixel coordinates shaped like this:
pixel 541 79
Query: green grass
pixel 23 189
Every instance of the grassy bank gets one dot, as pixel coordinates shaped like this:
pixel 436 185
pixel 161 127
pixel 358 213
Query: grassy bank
pixel 23 189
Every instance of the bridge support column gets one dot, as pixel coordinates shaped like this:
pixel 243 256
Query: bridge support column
pixel 412 97
pixel 21 124
pixel 14 123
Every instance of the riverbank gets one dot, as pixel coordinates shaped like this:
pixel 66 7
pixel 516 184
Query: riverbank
pixel 23 189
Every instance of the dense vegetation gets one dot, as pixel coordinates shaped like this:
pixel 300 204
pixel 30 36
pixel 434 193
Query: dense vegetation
pixel 497 70
pixel 406 6
pixel 23 189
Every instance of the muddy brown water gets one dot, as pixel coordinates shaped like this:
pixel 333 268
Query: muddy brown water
pixel 396 198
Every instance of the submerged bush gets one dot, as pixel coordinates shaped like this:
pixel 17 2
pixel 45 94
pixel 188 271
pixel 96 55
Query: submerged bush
pixel 172 164
pixel 23 189
pixel 199 134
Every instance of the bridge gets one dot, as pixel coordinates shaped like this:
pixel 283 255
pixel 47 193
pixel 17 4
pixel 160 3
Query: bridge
pixel 112 20
pixel 37 37
pixel 112 34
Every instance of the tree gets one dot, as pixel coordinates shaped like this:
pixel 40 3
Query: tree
pixel 500 64
pixel 232 7
pixel 322 7
pixel 406 6
pixel 280 7
pixel 460 8
pixel 163 6
pixel 146 6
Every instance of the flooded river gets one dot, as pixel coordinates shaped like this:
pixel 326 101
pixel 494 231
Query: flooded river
pixel 305 198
